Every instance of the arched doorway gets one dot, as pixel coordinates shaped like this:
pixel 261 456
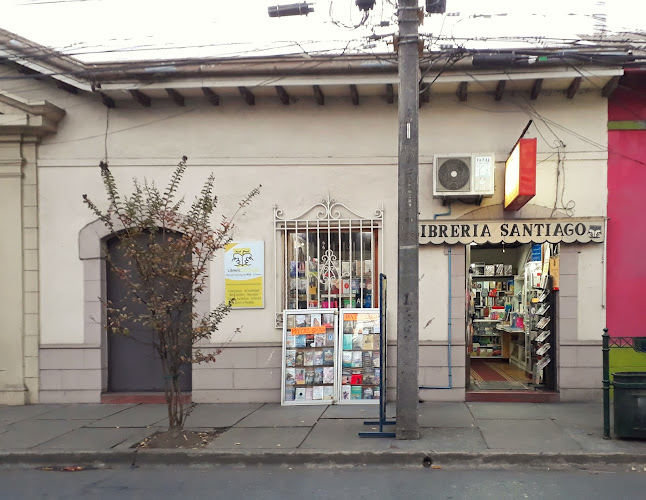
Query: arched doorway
pixel 133 363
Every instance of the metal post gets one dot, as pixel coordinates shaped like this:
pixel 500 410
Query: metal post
pixel 408 265
pixel 606 383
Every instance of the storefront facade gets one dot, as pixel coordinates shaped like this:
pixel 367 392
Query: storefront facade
pixel 321 156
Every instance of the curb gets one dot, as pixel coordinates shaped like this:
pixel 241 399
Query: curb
pixel 464 460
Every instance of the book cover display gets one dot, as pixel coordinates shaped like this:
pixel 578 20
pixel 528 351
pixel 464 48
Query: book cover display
pixel 359 357
pixel 309 357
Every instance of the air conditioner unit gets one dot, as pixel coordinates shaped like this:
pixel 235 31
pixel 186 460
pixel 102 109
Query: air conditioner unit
pixel 463 175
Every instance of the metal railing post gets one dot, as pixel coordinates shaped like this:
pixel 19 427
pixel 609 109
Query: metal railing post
pixel 606 384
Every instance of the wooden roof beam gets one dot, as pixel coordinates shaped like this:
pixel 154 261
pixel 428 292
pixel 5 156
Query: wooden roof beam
pixel 282 94
pixel 611 86
pixel 107 101
pixel 354 94
pixel 536 89
pixel 390 93
pixel 141 98
pixel 500 90
pixel 574 87
pixel 176 96
pixel 211 96
pixel 246 94
pixel 318 95
pixel 66 87
pixel 462 91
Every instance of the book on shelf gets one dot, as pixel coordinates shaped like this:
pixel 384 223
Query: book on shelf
pixel 368 376
pixel 319 340
pixel 309 340
pixel 309 393
pixel 301 320
pixel 290 341
pixel 290 376
pixel 345 392
pixel 318 375
pixel 329 339
pixel 376 359
pixel 300 376
pixel 376 341
pixel 328 375
pixel 300 394
pixel 355 392
pixel 291 321
pixel 368 393
pixel 290 357
pixel 377 379
pixel 317 392
pixel 356 379
pixel 300 340
pixel 348 327
pixel 376 393
pixel 328 357
pixel 316 319
pixel 356 359
pixel 345 375
pixel 367 344
pixel 308 358
pixel 347 341
pixel 309 377
pixel 290 393
pixel 299 358
pixel 347 358
pixel 328 320
pixel 357 341
pixel 366 359
pixel 328 392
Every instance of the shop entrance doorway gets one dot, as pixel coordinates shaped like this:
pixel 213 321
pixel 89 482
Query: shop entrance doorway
pixel 511 323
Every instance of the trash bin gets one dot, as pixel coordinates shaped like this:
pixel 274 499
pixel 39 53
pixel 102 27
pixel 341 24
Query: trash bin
pixel 630 404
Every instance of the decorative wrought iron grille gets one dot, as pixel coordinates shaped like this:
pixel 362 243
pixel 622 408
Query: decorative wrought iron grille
pixel 327 257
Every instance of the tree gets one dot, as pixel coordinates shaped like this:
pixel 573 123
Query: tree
pixel 168 252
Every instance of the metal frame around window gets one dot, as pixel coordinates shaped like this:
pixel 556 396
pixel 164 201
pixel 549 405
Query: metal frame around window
pixel 326 221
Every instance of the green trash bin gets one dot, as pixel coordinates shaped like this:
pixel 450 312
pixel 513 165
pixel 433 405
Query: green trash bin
pixel 630 404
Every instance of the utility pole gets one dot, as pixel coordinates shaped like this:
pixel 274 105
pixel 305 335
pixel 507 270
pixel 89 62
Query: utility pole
pixel 408 250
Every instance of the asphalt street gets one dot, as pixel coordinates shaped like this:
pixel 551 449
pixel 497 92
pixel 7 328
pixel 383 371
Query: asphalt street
pixel 283 482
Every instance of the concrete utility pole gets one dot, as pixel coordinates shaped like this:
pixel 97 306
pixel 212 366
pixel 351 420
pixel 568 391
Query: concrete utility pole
pixel 408 251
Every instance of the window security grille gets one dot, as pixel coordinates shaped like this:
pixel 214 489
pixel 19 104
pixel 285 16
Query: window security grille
pixel 327 257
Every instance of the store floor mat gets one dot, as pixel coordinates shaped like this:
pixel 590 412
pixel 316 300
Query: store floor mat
pixel 489 371
pixel 507 385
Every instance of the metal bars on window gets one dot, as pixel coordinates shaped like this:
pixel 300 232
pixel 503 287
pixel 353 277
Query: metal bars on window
pixel 327 257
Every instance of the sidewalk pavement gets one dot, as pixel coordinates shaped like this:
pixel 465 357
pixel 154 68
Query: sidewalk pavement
pixel 452 434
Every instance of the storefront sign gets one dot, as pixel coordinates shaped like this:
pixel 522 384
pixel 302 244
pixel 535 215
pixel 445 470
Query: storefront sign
pixel 244 271
pixel 520 175
pixel 581 230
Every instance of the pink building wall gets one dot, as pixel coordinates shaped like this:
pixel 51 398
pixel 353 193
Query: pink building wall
pixel 626 238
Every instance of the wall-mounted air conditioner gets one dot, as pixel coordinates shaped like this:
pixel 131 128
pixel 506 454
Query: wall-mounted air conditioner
pixel 463 175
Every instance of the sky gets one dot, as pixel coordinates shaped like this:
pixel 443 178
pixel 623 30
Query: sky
pixel 112 30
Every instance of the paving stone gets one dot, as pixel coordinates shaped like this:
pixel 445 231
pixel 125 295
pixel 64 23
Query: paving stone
pixel 89 439
pixel 30 433
pixel 367 412
pixel 220 415
pixel 343 434
pixel 12 414
pixel 445 415
pixel 84 412
pixel 274 415
pixel 508 411
pixel 276 438
pixel 588 414
pixel 444 439
pixel 526 435
pixel 137 416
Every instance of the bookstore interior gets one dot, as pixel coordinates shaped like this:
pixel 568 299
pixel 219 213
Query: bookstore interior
pixel 512 316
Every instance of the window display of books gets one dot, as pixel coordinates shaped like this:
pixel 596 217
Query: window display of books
pixel 309 357
pixel 360 356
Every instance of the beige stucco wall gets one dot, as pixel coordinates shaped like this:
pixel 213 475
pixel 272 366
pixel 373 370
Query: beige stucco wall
pixel 300 154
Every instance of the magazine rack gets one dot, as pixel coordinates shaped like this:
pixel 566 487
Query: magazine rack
pixel 383 421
